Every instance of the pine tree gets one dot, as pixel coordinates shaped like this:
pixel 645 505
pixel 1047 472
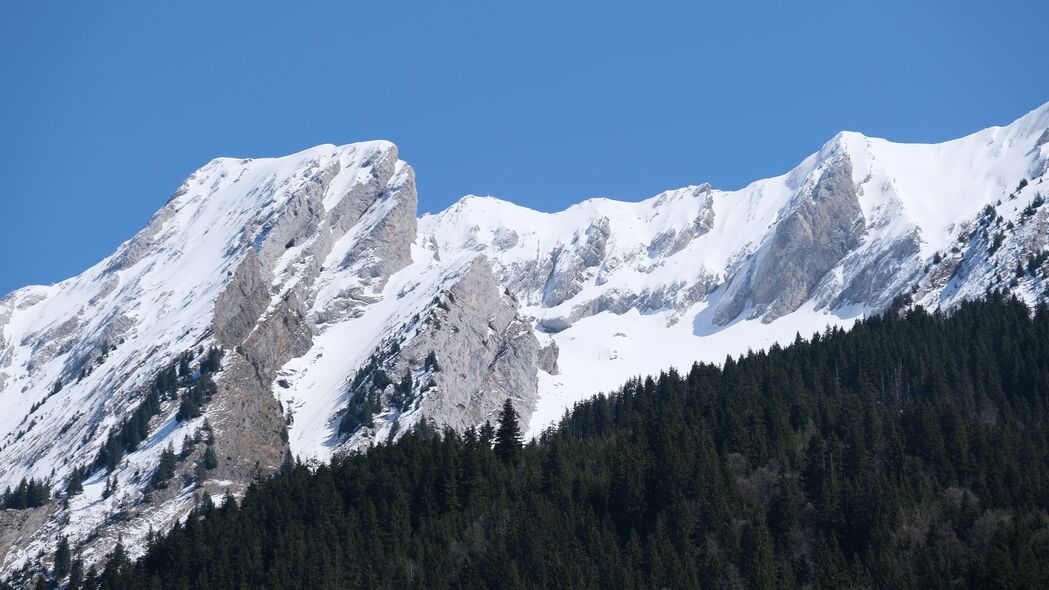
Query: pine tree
pixel 90 579
pixel 111 487
pixel 508 436
pixel 430 364
pixel 76 485
pixel 209 461
pixel 187 447
pixel 486 434
pixel 62 559
pixel 165 470
pixel 76 574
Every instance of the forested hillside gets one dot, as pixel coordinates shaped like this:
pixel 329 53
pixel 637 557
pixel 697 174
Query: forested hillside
pixel 911 451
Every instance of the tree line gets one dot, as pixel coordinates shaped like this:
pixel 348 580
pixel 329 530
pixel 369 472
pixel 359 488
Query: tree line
pixel 911 451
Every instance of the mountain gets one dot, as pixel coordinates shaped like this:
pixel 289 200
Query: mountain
pixel 296 306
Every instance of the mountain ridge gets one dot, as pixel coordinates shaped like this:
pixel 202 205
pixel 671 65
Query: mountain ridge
pixel 346 318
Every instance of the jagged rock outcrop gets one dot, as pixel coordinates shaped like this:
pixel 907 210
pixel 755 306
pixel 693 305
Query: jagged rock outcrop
pixel 571 263
pixel 823 226
pixel 487 353
pixel 548 358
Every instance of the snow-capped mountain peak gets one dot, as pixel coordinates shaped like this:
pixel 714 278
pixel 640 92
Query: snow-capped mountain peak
pixel 342 320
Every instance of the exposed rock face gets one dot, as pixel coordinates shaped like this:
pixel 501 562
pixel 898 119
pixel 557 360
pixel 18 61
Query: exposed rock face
pixel 548 358
pixel 485 351
pixel 1042 139
pixel 811 240
pixel 17 525
pixel 248 423
pixel 878 281
pixel 572 264
pixel 242 302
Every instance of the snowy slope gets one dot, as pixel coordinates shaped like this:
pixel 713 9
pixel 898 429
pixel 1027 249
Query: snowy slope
pixel 644 293
pixel 314 275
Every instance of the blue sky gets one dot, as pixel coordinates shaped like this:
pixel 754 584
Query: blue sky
pixel 106 107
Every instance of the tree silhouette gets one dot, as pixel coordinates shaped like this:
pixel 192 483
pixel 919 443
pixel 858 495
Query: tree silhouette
pixel 508 436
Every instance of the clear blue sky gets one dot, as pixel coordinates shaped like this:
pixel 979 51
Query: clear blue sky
pixel 106 107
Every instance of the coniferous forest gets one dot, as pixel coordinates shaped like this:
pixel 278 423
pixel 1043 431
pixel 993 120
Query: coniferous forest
pixel 911 451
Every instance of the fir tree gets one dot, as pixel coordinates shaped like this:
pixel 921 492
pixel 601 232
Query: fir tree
pixel 188 445
pixel 508 436
pixel 62 559
pixel 430 364
pixel 486 434
pixel 76 485
pixel 165 469
pixel 209 460
pixel 76 574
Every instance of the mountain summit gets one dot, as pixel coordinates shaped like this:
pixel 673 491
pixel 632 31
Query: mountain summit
pixel 296 306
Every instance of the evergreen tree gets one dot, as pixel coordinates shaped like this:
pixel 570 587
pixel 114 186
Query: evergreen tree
pixel 486 434
pixel 111 487
pixel 76 485
pixel 165 469
pixel 76 574
pixel 508 436
pixel 188 445
pixel 209 460
pixel 431 364
pixel 91 579
pixel 62 559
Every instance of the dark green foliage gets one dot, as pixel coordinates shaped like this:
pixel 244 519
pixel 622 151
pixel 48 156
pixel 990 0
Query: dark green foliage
pixel 188 445
pixel 430 364
pixel 1035 261
pixel 361 409
pixel 910 452
pixel 194 399
pixel 212 362
pixel 76 482
pixel 508 436
pixel 29 494
pixel 402 394
pixel 135 429
pixel 132 431
pixel 165 384
pixel 76 574
pixel 486 434
pixel 1031 209
pixel 165 469
pixel 63 559
pixel 209 460
pixel 111 487
pixel 184 371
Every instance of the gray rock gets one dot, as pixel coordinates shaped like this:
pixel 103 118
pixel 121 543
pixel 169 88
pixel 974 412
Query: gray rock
pixel 824 225
pixel 1042 139
pixel 571 265
pixel 548 358
pixel 486 353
